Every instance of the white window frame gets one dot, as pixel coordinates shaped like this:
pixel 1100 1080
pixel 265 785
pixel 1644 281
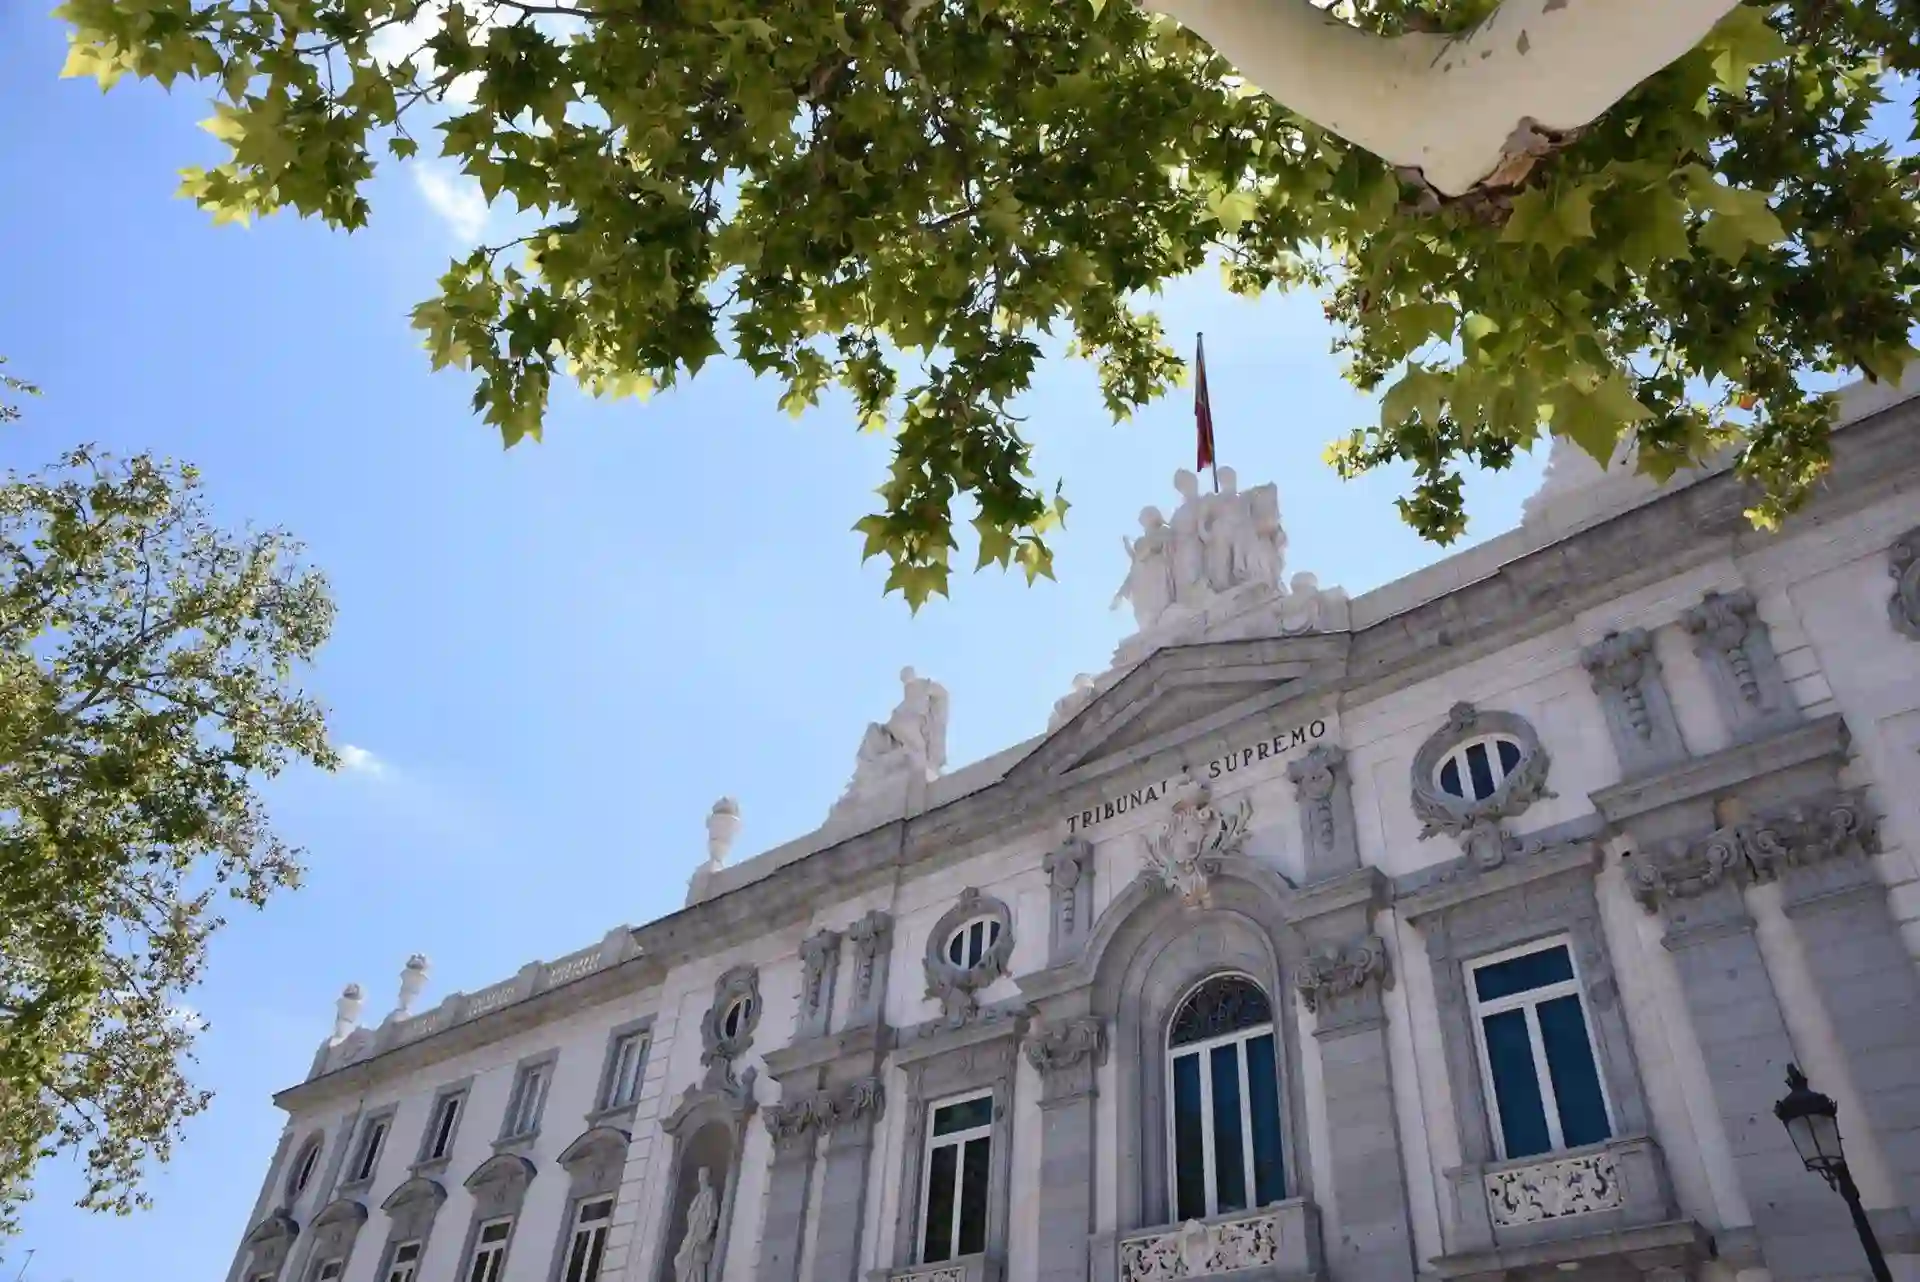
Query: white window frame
pixel 1458 755
pixel 1528 1000
pixel 958 1140
pixel 524 1106
pixel 1204 1049
pixel 639 1042
pixel 481 1248
pixel 971 957
pixel 411 1265
pixel 457 1099
pixel 373 1145
pixel 600 1226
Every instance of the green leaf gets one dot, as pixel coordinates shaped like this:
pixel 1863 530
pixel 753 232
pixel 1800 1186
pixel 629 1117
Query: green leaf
pixel 1595 417
pixel 1740 42
pixel 1418 393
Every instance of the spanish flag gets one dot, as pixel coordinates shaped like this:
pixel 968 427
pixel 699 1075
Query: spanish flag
pixel 1202 406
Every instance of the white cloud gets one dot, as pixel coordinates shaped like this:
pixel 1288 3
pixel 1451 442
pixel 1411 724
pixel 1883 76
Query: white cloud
pixel 360 761
pixel 456 198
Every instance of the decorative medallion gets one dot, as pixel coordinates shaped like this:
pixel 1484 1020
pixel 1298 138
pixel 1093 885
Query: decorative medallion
pixel 1186 848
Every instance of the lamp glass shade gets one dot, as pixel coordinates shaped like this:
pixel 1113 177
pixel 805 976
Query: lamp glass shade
pixel 1812 1122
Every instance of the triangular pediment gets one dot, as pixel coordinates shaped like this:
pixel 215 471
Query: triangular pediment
pixel 1183 692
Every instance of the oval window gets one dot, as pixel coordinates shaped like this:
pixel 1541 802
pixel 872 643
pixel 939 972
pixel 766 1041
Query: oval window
pixel 734 1021
pixel 1475 769
pixel 968 946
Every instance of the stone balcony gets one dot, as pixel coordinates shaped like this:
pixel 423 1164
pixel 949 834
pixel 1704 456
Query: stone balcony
pixel 964 1268
pixel 1277 1243
pixel 1604 1200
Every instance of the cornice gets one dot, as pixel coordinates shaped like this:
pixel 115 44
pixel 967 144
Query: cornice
pixel 1825 738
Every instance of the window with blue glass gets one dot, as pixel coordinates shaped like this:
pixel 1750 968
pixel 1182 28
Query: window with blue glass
pixel 954 1196
pixel 1541 1074
pixel 1224 1088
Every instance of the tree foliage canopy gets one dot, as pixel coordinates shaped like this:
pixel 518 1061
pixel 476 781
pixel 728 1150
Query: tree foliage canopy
pixel 901 197
pixel 145 667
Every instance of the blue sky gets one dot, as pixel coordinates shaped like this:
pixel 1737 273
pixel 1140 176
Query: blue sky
pixel 555 658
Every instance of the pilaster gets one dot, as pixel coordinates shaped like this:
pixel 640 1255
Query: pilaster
pixel 1067 1054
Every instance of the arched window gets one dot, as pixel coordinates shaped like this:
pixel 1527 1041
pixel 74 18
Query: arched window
pixel 1474 770
pixel 300 1174
pixel 1225 1088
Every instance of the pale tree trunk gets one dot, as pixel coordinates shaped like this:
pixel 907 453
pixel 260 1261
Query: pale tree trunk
pixel 1453 107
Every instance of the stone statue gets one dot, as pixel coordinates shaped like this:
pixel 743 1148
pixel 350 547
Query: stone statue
pixel 1189 551
pixel 1149 585
pixel 693 1262
pixel 1068 707
pixel 723 824
pixel 346 1012
pixel 412 979
pixel 1241 536
pixel 909 746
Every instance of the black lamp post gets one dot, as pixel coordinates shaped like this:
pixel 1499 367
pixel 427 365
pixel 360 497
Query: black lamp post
pixel 1812 1122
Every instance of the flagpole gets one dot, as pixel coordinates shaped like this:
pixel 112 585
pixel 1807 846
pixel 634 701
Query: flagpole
pixel 1200 360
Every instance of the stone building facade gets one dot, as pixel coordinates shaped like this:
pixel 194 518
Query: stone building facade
pixel 1464 930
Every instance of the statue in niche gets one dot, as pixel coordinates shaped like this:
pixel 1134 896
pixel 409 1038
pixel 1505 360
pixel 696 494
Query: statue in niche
pixel 693 1262
pixel 909 746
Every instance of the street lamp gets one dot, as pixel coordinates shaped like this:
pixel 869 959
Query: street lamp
pixel 1812 1122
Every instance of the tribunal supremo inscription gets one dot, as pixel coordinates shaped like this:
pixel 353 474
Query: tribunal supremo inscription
pixel 1219 767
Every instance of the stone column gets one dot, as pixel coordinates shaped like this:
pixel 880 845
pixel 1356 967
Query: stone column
pixel 1696 888
pixel 1867 981
pixel 789 1185
pixel 1341 980
pixel 1067 1054
pixel 851 1118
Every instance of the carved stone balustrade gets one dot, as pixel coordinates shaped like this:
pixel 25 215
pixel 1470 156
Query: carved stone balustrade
pixel 1281 1241
pixel 1600 1200
pixel 964 1268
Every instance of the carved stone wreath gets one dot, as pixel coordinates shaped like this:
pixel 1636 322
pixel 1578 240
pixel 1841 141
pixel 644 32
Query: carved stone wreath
pixel 1476 825
pixel 958 987
pixel 1185 849
pixel 719 1047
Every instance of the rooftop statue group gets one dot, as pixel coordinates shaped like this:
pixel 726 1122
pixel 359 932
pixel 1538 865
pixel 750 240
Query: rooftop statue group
pixel 1215 545
pixel 908 748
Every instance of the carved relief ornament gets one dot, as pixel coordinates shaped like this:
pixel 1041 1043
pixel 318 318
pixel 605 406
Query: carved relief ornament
pixel 1620 662
pixel 1903 563
pixel 727 1030
pixel 1721 625
pixel 818 952
pixel 1328 975
pixel 1477 825
pixel 1056 1048
pixel 794 1122
pixel 870 937
pixel 1185 849
pixel 1798 836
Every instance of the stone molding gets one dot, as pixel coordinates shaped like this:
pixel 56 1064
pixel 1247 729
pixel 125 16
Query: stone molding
pixel 1737 650
pixel 1821 743
pixel 957 987
pixel 819 967
pixel 1633 696
pixel 1903 563
pixel 1329 976
pixel 1802 835
pixel 1477 825
pixel 1067 1054
pixel 1069 869
pixel 1322 786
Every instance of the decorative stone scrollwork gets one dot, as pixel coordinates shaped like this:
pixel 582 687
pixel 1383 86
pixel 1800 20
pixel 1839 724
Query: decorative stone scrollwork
pixel 819 961
pixel 1321 786
pixel 1186 848
pixel 1554 1190
pixel 1331 974
pixel 1069 868
pixel 1721 625
pixel 871 936
pixel 1195 1249
pixel 1054 1049
pixel 1476 824
pixel 796 1122
pixel 727 1030
pixel 1737 651
pixel 957 985
pixel 1903 563
pixel 1799 836
pixel 1619 662
pixel 1626 676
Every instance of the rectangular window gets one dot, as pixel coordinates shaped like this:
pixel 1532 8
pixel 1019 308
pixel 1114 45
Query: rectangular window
pixel 372 1140
pixel 1541 1074
pixel 954 1197
pixel 490 1251
pixel 589 1241
pixel 1226 1125
pixel 406 1262
pixel 529 1095
pixel 441 1125
pixel 626 1065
